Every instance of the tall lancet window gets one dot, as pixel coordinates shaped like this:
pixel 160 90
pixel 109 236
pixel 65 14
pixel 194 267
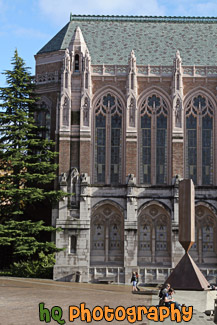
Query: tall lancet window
pixel 77 64
pixel 199 140
pixel 108 140
pixel 154 141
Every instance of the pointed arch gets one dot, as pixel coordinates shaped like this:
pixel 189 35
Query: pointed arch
pixel 199 128
pixel 154 90
pixel 199 91
pixel 114 204
pixel 204 249
pixel 154 129
pixel 154 235
pixel 107 235
pixel 105 89
pixel 108 137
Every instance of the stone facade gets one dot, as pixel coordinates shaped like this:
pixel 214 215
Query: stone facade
pixel 125 136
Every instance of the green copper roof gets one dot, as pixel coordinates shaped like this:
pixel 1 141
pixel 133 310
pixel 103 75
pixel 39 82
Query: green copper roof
pixel 155 40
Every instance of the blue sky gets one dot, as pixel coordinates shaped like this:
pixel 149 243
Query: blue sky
pixel 29 24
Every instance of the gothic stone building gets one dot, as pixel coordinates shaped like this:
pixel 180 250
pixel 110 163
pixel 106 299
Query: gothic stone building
pixel 131 104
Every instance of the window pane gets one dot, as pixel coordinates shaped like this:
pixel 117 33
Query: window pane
pixel 116 122
pixel 98 236
pixel 207 150
pixel 73 244
pixel 191 125
pixel 114 237
pixel 207 234
pixel 161 238
pixel 145 237
pixel 100 148
pixel 161 149
pixel 146 149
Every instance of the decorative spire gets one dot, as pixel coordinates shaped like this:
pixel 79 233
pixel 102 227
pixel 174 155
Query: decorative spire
pixel 77 42
pixel 132 61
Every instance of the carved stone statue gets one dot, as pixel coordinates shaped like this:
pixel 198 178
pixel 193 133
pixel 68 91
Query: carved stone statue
pixel 66 60
pixel 132 113
pixel 63 178
pixel 65 112
pixel 86 112
pixel 178 114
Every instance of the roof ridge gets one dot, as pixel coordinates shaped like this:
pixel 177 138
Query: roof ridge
pixel 145 18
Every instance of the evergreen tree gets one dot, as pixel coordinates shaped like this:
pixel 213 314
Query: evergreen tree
pixel 26 161
pixel 27 170
pixel 30 256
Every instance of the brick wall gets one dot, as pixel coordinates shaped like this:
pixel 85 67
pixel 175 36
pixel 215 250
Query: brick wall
pixel 75 160
pixel 131 158
pixel 85 157
pixel 177 159
pixel 64 156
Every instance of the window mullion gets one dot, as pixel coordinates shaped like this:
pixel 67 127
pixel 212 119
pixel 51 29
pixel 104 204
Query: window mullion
pixel 108 146
pixel 199 149
pixel 153 149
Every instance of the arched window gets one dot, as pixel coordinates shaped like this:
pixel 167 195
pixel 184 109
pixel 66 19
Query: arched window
pixel 107 236
pixel 205 249
pixel 108 140
pixel 77 68
pixel 43 120
pixel 154 141
pixel 199 140
pixel 154 236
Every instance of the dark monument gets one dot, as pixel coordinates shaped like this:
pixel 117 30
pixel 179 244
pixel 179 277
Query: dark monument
pixel 186 275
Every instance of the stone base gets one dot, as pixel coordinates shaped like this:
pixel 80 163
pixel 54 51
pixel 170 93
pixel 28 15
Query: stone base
pixel 200 300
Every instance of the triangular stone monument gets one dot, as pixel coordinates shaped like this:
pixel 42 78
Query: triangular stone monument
pixel 187 275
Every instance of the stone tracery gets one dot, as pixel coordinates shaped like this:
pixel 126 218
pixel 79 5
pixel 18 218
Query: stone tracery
pixel 154 235
pixel 108 139
pixel 199 129
pixel 205 247
pixel 154 139
pixel 107 236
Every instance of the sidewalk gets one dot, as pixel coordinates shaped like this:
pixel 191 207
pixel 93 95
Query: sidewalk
pixel 20 298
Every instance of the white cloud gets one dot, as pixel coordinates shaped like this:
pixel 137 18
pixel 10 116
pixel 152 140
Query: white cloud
pixel 59 11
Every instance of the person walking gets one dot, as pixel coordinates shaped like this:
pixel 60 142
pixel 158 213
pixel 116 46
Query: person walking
pixel 137 281
pixel 133 279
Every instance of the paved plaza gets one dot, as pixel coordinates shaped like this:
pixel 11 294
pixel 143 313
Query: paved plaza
pixel 20 299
